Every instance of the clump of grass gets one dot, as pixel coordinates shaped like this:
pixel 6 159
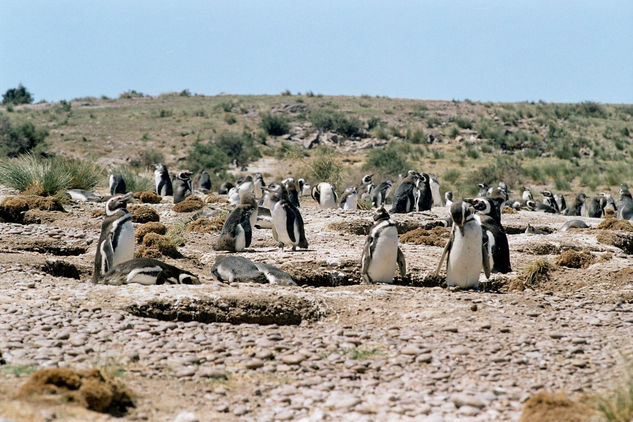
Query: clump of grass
pixel 274 125
pixel 83 174
pixel 532 275
pixel 617 405
pixel 326 167
pixel 358 353
pixel 134 182
pixel 574 259
pixel 34 175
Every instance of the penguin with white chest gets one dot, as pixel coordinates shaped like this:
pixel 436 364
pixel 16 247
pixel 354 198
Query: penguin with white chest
pixel 349 199
pixel 490 220
pixel 435 191
pixel 162 180
pixel 287 227
pixel 117 184
pixel 379 193
pixel 116 242
pixel 182 186
pixel 466 252
pixel 381 253
pixel 237 231
pixel 324 194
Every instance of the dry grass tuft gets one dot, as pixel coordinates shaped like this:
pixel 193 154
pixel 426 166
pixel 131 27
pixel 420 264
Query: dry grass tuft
pixel 437 236
pixel 617 404
pixel 162 243
pixel 213 198
pixel 143 214
pixel 620 240
pixel 364 205
pixel 149 197
pixel 575 259
pixel 191 203
pixel 615 224
pixel 205 225
pixel 91 389
pixel 509 210
pixel 532 275
pixel 13 208
pixel 151 227
pixel 554 407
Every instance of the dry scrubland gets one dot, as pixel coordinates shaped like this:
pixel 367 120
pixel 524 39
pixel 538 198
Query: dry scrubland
pixel 329 349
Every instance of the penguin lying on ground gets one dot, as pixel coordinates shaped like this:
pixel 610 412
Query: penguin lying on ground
pixel 574 224
pixel 182 186
pixel 237 231
pixel 349 199
pixel 162 180
pixel 117 184
pixel 83 195
pixel 116 242
pixel 287 223
pixel 148 271
pixel 381 253
pixel 324 194
pixel 239 269
pixel 466 251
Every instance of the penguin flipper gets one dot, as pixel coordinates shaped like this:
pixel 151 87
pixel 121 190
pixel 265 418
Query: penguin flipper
pixel 446 252
pixel 316 194
pixel 484 254
pixel 366 257
pixel 248 230
pixel 290 224
pixel 107 250
pixel 402 265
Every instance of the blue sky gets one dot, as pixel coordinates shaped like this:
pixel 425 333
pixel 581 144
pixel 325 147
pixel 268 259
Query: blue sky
pixel 506 50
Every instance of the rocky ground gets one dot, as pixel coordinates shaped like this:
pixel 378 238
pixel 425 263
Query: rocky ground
pixel 339 350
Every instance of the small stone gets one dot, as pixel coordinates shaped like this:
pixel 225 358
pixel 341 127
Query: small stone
pixel 424 358
pixel 186 416
pixel 410 350
pixel 342 401
pixel 294 359
pixel 556 336
pixel 254 364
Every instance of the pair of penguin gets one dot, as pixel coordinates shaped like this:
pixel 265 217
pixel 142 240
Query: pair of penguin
pixel 237 231
pixel 180 187
pixel 114 259
pixel 413 194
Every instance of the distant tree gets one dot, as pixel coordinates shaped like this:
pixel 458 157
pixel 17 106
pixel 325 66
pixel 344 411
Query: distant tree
pixel 18 95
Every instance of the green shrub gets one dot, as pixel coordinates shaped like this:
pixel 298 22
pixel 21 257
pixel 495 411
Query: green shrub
pixel 84 174
pixel 617 404
pixel 326 167
pixel 328 120
pixel 34 175
pixel 452 175
pixel 19 95
pixel 239 148
pixel 274 125
pixel 134 182
pixel 19 138
pixel 415 136
pixel 462 122
pixel 229 119
pixel 389 161
pixel 131 94
pixel 147 158
pixel 185 93
pixel 210 157
pixel 374 122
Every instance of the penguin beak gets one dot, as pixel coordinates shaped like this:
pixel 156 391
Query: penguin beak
pixel 126 197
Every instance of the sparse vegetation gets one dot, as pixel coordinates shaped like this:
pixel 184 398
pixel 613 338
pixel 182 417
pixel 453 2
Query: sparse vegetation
pixel 326 167
pixel 390 161
pixel 134 182
pixel 19 138
pixel 274 125
pixel 16 96
pixel 334 121
pixel 617 404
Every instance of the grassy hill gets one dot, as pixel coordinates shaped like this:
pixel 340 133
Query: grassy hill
pixel 568 147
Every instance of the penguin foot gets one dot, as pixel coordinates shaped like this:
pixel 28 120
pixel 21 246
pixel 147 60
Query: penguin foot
pixel 294 248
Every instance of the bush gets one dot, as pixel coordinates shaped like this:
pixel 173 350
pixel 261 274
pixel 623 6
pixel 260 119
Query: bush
pixel 327 120
pixel 134 182
pixel 239 148
pixel 83 174
pixel 34 175
pixel 19 95
pixel 210 157
pixel 274 125
pixel 326 167
pixel 390 161
pixel 17 139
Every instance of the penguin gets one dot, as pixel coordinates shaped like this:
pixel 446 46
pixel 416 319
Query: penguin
pixel 287 223
pixel 379 193
pixel 237 231
pixel 349 199
pixel 293 194
pixel 466 251
pixel 575 209
pixel 272 193
pixel 182 186
pixel 274 275
pixel 405 195
pixel 490 220
pixel 367 179
pixel 527 194
pixel 548 199
pixel 423 194
pixel 304 188
pixel 504 189
pixel 532 230
pixel 538 206
pixel 258 184
pixel 204 181
pixel 162 180
pixel 83 195
pixel 625 205
pixel 324 194
pixel 483 190
pixel 435 191
pixel 147 271
pixel 381 252
pixel 117 184
pixel 609 206
pixel 234 195
pixel 594 207
pixel 246 186
pixel 448 196
pixel 225 188
pixel 561 204
pixel 233 268
pixel 574 224
pixel 116 242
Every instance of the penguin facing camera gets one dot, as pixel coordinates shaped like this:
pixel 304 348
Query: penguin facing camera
pixel 381 253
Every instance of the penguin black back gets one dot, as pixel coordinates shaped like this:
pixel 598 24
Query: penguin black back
pixel 404 196
pixel 204 181
pixel 424 200
pixel 117 184
pixel 182 186
pixel 162 180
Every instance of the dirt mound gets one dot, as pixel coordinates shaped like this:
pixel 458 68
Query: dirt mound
pixel 252 308
pixel 575 259
pixel 205 225
pixel 358 227
pixel 151 227
pixel 437 236
pixel 89 388
pixel 615 224
pixel 620 240
pixel 540 249
pixel 58 268
pixel 214 198
pixel 143 214
pixel 149 197
pixel 554 407
pixel 191 203
pixel 162 244
pixel 509 210
pixel 14 208
pixel 320 274
pixel 148 252
pixel 43 246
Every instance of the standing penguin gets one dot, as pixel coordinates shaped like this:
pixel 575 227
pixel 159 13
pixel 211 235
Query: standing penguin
pixel 324 194
pixel 182 186
pixel 483 190
pixel 380 192
pixel 423 194
pixel 237 231
pixel 304 188
pixel 448 196
pixel 405 194
pixel 162 180
pixel 435 191
pixel 204 181
pixel 258 184
pixel 117 184
pixel 466 252
pixel 225 187
pixel 594 206
pixel 381 253
pixel 625 205
pixel 577 206
pixel 116 242
pixel 293 194
pixel 498 247
pixel 548 199
pixel 287 223
pixel 561 204
pixel 349 200
pixel 527 194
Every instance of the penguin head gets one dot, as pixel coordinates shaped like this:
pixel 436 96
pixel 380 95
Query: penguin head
pixel 160 168
pixel 624 191
pixel 248 199
pixel 367 179
pixel 481 205
pixel 547 194
pixel 460 212
pixel 381 214
pixel 351 189
pixel 301 182
pixel 530 204
pixel 117 202
pixel 188 278
pixel 184 175
pixel 448 195
pixel 482 186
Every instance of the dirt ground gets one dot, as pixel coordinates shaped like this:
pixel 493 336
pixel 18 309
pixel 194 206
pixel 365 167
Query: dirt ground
pixel 339 350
